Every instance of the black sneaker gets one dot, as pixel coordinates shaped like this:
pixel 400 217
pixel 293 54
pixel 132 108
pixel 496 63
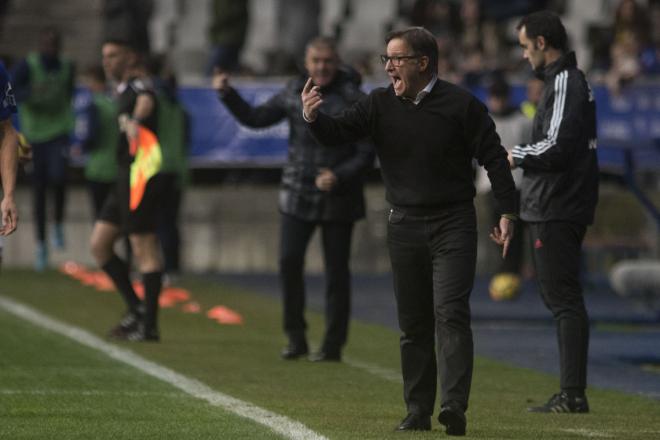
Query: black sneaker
pixel 139 334
pixel 128 323
pixel 294 350
pixel 563 403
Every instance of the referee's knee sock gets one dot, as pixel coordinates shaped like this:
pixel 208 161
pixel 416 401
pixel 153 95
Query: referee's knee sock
pixel 118 271
pixel 153 282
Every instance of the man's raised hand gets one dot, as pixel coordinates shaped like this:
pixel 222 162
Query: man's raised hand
pixel 311 100
pixel 220 80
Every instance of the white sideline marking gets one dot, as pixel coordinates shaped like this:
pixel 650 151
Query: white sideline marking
pixel 280 424
pixel 587 433
pixel 375 370
pixel 56 392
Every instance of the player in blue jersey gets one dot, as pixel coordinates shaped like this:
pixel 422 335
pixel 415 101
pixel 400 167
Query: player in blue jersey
pixel 8 155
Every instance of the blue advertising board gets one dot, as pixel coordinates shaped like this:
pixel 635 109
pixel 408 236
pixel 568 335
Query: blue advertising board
pixel 627 121
pixel 218 140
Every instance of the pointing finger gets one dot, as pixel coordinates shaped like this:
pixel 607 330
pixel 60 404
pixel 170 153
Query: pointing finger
pixel 308 86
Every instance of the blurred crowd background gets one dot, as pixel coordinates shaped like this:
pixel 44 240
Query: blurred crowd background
pixel 617 41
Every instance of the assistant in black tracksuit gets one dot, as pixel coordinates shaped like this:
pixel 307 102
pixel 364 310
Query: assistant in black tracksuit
pixel 559 193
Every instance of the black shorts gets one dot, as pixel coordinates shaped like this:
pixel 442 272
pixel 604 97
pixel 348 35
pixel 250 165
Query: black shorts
pixel 142 220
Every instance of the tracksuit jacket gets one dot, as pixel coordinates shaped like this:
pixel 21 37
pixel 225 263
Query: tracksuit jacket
pixel 560 180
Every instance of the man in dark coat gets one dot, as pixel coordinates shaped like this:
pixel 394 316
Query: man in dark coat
pixel 321 186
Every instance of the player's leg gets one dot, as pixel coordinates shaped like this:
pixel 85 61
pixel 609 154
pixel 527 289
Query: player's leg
pixel 104 235
pixel 146 250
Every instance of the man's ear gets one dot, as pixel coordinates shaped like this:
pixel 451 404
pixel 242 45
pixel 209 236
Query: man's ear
pixel 541 43
pixel 423 63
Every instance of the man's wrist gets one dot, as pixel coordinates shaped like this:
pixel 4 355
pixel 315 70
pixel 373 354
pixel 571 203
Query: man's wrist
pixel 306 118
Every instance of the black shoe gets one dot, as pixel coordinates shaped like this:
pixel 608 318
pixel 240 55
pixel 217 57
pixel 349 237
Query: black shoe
pixel 325 356
pixel 415 422
pixel 139 334
pixel 453 418
pixel 563 403
pixel 294 351
pixel 128 323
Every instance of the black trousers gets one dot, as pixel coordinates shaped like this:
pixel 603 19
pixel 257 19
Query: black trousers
pixel 557 255
pixel 433 262
pixel 50 162
pixel 336 239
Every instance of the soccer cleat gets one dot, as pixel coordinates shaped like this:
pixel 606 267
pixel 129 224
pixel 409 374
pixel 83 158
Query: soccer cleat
pixel 563 403
pixel 294 351
pixel 128 323
pixel 138 334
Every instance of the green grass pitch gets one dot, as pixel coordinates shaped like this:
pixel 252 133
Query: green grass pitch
pixel 54 388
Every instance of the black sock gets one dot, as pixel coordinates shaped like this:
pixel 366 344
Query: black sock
pixel 117 270
pixel 153 282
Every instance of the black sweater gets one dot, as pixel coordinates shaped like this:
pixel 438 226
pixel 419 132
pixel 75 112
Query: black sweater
pixel 426 150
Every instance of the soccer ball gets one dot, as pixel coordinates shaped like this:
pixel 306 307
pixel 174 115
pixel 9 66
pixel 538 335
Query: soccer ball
pixel 504 286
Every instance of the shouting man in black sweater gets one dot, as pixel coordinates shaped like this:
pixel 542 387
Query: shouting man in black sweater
pixel 426 132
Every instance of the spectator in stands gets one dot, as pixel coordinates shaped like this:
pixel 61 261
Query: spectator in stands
pixel 631 22
pixel 630 37
pixel 4 6
pixel 44 84
pixel 229 24
pixel 514 128
pixel 440 17
pixel 297 23
pixel 650 56
pixel 480 46
pixel 128 20
pixel 99 134
pixel 321 187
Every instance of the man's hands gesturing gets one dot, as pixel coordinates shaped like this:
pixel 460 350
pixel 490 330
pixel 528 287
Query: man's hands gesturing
pixel 502 234
pixel 311 100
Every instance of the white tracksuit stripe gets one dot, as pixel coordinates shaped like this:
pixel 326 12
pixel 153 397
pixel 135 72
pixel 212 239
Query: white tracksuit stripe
pixel 561 81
